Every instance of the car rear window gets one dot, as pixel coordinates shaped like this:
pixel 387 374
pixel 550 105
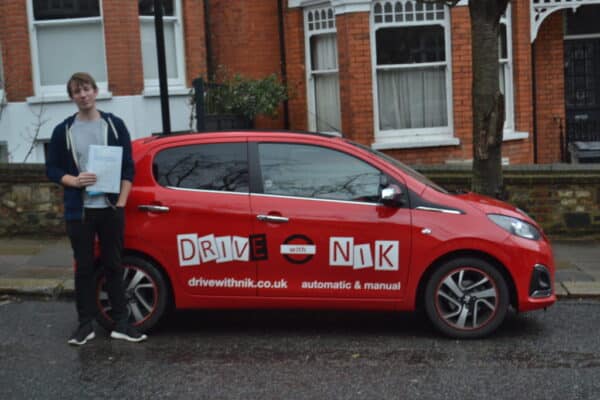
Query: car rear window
pixel 216 166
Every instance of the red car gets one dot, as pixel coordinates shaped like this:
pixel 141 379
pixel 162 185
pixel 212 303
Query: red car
pixel 302 220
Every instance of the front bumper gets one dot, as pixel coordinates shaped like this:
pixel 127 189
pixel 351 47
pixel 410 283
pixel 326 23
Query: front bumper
pixel 532 269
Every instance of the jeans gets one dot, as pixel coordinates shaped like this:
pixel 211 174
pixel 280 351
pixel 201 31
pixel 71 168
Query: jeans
pixel 107 224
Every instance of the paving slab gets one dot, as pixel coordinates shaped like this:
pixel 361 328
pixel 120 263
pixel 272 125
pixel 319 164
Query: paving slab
pixel 572 274
pixel 9 263
pixel 591 269
pixel 21 246
pixel 560 290
pixel 68 286
pixel 40 273
pixel 564 264
pixel 30 286
pixel 582 288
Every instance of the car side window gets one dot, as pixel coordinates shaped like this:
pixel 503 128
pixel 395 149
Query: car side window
pixel 219 166
pixel 317 172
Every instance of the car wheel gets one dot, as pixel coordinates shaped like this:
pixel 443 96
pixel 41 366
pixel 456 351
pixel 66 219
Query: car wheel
pixel 466 298
pixel 145 294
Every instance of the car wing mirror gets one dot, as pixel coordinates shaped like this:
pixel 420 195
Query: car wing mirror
pixel 391 195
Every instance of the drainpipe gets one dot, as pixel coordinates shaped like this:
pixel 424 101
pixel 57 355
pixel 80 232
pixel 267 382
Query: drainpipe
pixel 162 67
pixel 282 61
pixel 534 104
pixel 210 70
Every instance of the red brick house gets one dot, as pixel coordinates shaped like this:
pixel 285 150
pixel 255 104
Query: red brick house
pixel 392 74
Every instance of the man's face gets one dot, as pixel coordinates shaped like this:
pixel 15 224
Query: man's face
pixel 84 95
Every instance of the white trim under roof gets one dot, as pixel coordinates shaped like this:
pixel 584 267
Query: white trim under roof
pixel 541 9
pixel 339 6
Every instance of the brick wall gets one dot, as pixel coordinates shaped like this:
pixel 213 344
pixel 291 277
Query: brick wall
pixel 123 47
pixel 356 87
pixel 295 68
pixel 195 39
pixel 16 54
pixel 550 101
pixel 244 37
pixel 461 88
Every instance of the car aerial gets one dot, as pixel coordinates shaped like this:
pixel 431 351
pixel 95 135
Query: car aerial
pixel 258 220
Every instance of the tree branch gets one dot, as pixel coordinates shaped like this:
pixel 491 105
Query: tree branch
pixel 37 125
pixel 3 103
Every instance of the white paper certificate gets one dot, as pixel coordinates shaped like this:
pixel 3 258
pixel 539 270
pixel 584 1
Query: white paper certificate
pixel 105 162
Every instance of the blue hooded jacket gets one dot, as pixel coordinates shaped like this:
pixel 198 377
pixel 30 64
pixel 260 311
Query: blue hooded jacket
pixel 62 161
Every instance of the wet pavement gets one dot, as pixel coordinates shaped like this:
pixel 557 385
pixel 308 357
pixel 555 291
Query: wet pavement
pixel 43 266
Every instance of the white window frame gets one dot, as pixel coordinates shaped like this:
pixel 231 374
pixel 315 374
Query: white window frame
pixel 176 85
pixel 507 65
pixel 2 82
pixel 509 131
pixel 49 93
pixel 310 74
pixel 419 137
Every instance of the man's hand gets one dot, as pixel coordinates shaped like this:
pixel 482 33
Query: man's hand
pixel 80 181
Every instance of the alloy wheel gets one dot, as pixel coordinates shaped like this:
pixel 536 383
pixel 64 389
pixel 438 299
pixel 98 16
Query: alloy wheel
pixel 467 298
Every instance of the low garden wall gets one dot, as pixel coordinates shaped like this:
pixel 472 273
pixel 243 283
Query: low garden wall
pixel 29 203
pixel 564 199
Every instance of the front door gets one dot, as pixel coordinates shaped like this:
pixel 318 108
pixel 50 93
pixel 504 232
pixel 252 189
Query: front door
pixel 582 75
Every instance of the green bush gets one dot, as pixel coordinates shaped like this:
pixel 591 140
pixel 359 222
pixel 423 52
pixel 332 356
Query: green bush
pixel 245 97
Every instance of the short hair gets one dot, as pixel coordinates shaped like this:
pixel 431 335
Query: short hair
pixel 81 78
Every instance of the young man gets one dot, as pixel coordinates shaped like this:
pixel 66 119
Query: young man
pixel 90 214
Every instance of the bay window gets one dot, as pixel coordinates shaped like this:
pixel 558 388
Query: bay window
pixel 412 74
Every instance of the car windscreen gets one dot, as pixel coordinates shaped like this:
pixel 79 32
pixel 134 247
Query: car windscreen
pixel 400 165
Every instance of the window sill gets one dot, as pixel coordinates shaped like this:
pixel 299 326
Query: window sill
pixel 62 98
pixel 513 135
pixel 154 91
pixel 415 142
pixel 469 162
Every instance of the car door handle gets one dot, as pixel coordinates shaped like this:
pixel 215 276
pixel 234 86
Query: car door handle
pixel 153 208
pixel 272 218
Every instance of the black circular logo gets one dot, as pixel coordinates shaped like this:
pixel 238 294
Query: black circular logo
pixel 298 258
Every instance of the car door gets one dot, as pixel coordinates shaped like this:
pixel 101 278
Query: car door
pixel 195 218
pixel 327 235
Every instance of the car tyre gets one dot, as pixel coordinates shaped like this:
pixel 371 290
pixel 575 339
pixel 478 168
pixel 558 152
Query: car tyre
pixel 466 298
pixel 146 294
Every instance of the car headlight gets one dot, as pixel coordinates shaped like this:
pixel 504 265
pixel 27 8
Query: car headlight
pixel 516 226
